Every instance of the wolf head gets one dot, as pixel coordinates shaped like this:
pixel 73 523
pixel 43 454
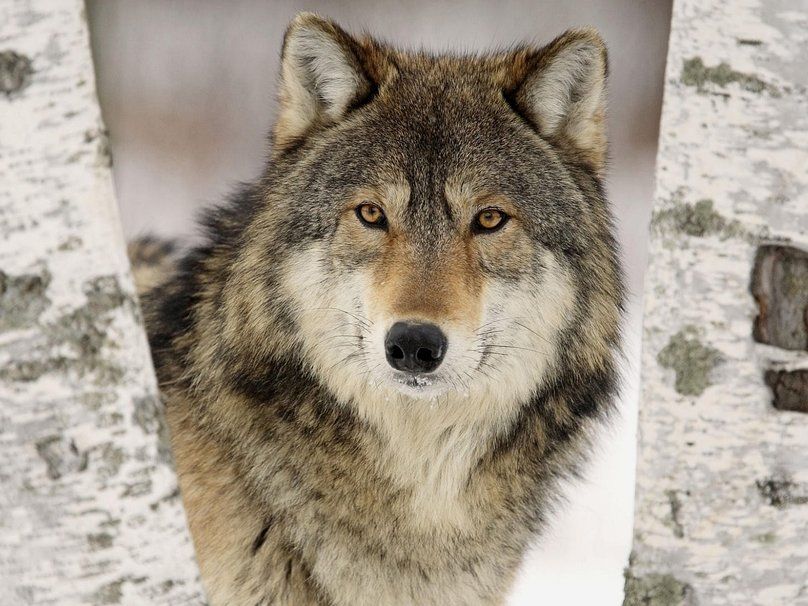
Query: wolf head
pixel 428 226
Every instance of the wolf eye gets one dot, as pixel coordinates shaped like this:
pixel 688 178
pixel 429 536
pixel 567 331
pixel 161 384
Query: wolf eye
pixel 371 215
pixel 489 219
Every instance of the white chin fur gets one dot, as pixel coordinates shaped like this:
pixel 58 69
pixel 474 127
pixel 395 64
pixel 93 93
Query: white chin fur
pixel 428 386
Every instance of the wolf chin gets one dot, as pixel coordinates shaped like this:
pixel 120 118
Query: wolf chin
pixel 393 343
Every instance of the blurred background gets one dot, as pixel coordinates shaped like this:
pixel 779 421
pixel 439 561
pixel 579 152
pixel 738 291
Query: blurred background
pixel 187 89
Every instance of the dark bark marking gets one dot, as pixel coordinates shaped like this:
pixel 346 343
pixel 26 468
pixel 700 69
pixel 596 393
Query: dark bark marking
pixel 790 389
pixel 15 72
pixel 61 455
pixel 780 287
pixel 781 491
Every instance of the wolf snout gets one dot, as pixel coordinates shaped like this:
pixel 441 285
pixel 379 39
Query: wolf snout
pixel 415 347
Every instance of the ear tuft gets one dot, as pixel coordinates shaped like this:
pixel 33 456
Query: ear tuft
pixel 564 93
pixel 322 76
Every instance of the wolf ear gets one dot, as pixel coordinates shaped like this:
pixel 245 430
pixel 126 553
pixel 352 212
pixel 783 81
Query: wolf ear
pixel 322 76
pixel 563 93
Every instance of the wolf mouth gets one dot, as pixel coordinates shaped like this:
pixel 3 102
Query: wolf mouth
pixel 415 381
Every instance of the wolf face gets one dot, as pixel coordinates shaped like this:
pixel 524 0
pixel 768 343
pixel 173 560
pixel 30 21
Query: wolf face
pixel 394 342
pixel 429 219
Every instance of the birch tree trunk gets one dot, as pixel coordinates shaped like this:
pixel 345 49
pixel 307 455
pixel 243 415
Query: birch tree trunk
pixel 89 508
pixel 722 486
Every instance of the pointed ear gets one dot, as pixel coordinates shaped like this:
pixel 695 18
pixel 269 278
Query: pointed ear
pixel 323 74
pixel 563 93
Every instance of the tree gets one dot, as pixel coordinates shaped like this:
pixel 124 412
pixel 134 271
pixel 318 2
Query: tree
pixel 90 508
pixel 722 479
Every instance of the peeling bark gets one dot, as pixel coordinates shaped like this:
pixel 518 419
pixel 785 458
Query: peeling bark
pixel 722 478
pixel 780 287
pixel 90 508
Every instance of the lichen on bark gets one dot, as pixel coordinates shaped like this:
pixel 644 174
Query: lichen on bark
pixel 656 589
pixel 691 360
pixel 696 73
pixel 22 299
pixel 699 219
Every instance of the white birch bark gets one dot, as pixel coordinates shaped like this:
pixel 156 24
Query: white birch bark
pixel 722 486
pixel 89 507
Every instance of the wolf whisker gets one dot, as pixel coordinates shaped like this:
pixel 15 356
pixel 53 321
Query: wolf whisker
pixel 487 352
pixel 515 347
pixel 493 322
pixel 542 337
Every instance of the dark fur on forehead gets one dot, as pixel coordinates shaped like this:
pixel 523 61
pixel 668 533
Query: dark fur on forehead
pixel 558 89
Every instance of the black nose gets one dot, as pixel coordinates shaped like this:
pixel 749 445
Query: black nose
pixel 415 347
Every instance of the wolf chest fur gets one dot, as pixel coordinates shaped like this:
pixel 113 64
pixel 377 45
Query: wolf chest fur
pixel 395 341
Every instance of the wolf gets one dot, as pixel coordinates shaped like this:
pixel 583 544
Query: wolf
pixel 392 344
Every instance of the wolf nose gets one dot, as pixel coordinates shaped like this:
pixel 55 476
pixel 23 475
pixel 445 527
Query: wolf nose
pixel 415 347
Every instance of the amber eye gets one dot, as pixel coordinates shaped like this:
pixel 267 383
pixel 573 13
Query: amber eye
pixel 489 219
pixel 371 215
